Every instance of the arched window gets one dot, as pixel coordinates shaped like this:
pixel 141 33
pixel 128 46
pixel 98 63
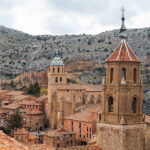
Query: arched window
pixel 58 70
pixel 124 73
pixel 134 101
pixel 134 75
pixel 111 75
pixel 60 79
pixel 58 145
pixel 56 79
pixel 53 69
pixel 110 104
pixel 62 70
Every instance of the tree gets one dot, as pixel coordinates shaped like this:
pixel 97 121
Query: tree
pixel 34 89
pixel 15 121
pixel 30 90
pixel 89 42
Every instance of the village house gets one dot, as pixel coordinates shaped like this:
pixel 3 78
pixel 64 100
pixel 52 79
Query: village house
pixel 83 124
pixel 24 136
pixel 30 108
pixel 3 94
pixel 59 138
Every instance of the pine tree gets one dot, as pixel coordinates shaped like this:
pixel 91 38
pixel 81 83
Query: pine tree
pixel 15 121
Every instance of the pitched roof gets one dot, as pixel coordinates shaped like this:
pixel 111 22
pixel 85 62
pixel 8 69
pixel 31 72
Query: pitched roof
pixel 7 143
pixel 57 61
pixel 123 53
pixel 58 133
pixel 85 114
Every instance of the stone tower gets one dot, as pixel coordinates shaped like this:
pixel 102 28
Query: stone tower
pixel 121 125
pixel 56 77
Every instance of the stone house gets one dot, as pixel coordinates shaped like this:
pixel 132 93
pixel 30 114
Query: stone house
pixel 24 136
pixel 83 124
pixel 59 138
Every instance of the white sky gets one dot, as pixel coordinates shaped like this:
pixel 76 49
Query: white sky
pixel 72 16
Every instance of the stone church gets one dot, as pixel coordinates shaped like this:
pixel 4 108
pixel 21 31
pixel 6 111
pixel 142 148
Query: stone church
pixel 121 125
pixel 64 98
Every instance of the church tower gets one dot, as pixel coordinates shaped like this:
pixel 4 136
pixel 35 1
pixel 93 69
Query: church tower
pixel 121 125
pixel 56 78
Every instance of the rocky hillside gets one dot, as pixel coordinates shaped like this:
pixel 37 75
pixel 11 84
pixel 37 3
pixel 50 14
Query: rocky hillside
pixel 83 54
pixel 20 52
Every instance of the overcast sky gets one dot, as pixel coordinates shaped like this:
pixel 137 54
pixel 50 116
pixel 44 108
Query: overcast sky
pixel 72 16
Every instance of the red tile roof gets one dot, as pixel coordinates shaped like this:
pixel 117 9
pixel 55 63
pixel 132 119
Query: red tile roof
pixel 123 52
pixel 7 143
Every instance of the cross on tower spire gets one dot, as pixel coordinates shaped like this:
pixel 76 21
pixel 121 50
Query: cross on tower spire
pixel 123 10
pixel 123 28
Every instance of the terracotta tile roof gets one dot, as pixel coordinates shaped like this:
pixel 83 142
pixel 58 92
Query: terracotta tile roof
pixel 123 52
pixel 22 97
pixel 34 112
pixel 8 143
pixel 3 91
pixel 85 114
pixel 29 102
pixel 12 106
pixel 80 87
pixel 16 93
pixel 42 98
pixel 21 131
pixel 58 133
pixel 41 147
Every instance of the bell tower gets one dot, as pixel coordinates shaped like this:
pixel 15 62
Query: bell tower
pixel 56 78
pixel 121 121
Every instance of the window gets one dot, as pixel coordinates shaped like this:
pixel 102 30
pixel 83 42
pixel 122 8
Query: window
pixel 87 135
pixel 56 79
pixel 72 125
pixel 17 138
pixel 87 129
pixel 58 70
pixel 58 145
pixel 134 101
pixel 60 79
pixel 99 116
pixel 79 124
pixel 111 75
pixel 53 69
pixel 124 73
pixel 21 138
pixel 62 70
pixel 71 141
pixel 134 75
pixel 110 104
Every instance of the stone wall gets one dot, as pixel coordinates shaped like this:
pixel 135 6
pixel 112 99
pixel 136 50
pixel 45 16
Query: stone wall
pixel 121 137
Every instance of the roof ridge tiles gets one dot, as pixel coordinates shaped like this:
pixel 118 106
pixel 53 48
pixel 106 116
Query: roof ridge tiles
pixel 123 53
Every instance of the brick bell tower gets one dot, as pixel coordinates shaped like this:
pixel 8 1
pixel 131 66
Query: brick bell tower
pixel 121 125
pixel 56 78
